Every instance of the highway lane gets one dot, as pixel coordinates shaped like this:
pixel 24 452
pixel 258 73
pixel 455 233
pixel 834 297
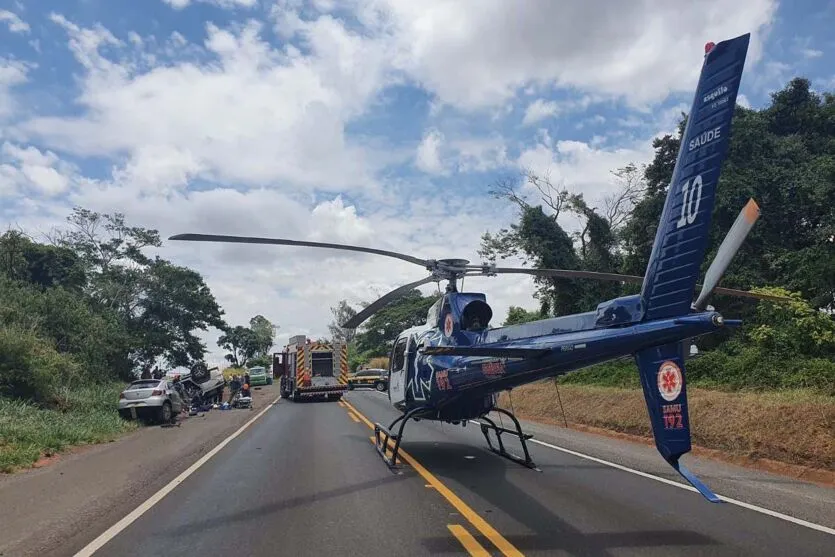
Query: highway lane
pixel 305 480
pixel 578 507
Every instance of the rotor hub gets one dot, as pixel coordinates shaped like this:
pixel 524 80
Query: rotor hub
pixel 453 262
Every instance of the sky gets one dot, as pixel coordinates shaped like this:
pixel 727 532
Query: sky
pixel 380 123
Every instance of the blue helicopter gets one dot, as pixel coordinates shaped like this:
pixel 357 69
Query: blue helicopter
pixel 453 367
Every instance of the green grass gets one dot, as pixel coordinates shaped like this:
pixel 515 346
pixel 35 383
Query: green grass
pixel 81 416
pixel 743 370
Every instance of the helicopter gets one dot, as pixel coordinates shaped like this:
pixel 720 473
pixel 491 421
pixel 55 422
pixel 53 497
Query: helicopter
pixel 453 367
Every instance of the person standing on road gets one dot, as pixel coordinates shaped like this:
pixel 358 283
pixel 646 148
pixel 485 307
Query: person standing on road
pixel 234 387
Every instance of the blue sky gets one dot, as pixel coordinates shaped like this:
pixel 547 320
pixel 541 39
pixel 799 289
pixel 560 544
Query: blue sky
pixel 378 122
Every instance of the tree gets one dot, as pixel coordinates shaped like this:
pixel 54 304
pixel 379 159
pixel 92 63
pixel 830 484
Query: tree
pixel 342 312
pixel 160 303
pixel 174 302
pixel 517 315
pixel 784 157
pixel 47 266
pixel 264 335
pixel 241 343
pixel 382 328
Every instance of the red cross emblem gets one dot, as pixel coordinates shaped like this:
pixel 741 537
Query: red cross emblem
pixel 669 381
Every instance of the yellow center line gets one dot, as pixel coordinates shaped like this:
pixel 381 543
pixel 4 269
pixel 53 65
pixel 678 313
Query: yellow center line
pixel 468 541
pixel 478 523
pixel 354 417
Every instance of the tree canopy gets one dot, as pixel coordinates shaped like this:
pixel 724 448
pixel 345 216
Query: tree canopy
pixel 249 345
pixel 89 304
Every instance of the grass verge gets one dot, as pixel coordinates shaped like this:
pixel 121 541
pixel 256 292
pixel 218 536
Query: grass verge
pixel 795 427
pixel 82 416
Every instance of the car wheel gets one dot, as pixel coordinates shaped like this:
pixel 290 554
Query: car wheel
pixel 165 412
pixel 380 386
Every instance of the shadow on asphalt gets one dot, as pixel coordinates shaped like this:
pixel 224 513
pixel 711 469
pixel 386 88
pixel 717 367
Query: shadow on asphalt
pixel 486 477
pixel 260 511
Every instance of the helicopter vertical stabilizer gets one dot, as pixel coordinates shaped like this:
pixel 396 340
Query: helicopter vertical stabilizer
pixel 681 239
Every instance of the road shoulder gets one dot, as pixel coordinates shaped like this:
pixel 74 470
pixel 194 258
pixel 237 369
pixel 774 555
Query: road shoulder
pixel 86 491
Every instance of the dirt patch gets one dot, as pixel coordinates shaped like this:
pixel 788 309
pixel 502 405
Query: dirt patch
pixel 792 431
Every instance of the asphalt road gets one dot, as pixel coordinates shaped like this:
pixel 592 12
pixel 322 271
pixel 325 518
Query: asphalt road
pixel 305 480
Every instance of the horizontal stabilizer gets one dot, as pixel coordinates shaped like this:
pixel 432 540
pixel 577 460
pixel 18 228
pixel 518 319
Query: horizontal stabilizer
pixel 485 351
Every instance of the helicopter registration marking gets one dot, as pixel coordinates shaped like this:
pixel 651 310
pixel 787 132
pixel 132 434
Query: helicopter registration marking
pixel 492 369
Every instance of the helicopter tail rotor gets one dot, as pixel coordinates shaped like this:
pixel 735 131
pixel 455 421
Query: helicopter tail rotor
pixel 727 250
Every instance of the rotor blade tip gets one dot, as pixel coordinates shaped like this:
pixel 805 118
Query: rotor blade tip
pixel 751 210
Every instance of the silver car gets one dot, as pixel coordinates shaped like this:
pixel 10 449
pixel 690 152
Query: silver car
pixel 150 399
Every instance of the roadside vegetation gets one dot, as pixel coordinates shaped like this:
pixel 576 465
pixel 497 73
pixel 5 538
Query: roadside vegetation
pixel 777 372
pixel 84 310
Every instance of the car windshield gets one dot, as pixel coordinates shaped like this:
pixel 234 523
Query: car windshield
pixel 143 385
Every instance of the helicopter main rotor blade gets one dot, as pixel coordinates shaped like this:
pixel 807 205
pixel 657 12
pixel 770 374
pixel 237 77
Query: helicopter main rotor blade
pixel 283 242
pixel 379 303
pixel 569 273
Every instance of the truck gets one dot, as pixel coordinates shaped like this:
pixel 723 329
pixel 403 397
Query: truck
pixel 311 370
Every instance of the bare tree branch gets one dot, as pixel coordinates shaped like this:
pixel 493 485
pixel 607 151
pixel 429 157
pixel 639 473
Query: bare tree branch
pixel 619 205
pixel 553 196
pixel 505 188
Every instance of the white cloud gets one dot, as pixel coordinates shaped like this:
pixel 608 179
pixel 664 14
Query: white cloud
pixel 477 53
pixel 539 110
pixel 28 171
pixel 12 74
pixel 582 167
pixel 255 115
pixel 428 157
pixel 13 21
pixel 437 155
pixel 743 101
pixel 229 4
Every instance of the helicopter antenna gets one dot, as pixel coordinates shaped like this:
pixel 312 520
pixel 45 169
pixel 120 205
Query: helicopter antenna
pixel 559 398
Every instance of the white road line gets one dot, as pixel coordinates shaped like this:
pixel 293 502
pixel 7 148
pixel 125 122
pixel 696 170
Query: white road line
pixel 114 530
pixel 743 504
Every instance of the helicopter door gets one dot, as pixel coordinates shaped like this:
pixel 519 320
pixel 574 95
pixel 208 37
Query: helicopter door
pixel 397 378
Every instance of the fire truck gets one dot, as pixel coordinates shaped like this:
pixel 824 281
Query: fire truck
pixel 308 369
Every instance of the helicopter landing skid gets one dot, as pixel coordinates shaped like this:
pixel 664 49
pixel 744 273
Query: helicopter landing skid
pixel 383 434
pixel 523 438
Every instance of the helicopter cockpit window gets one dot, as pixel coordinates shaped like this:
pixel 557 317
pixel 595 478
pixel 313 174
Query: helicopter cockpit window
pixel 399 355
pixel 476 316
